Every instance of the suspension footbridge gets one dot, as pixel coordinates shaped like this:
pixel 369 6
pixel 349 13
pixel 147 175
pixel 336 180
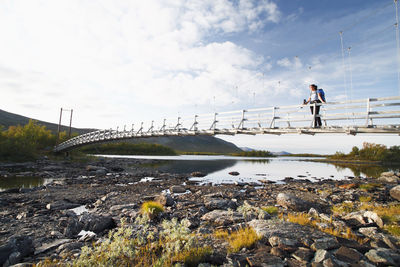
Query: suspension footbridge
pixel 362 116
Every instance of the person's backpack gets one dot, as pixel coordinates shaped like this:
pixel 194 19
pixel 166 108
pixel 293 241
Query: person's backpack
pixel 322 93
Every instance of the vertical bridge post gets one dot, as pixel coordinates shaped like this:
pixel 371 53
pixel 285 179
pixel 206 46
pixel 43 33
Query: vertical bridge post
pixel 314 115
pixel 241 124
pixel 367 123
pixel 214 124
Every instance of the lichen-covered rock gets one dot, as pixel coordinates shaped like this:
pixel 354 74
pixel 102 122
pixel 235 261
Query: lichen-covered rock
pixel 222 217
pixel 395 192
pixel 292 202
pixel 383 256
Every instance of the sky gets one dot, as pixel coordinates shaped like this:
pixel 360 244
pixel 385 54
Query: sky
pixel 121 62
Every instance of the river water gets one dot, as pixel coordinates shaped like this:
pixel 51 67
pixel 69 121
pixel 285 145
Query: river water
pixel 217 168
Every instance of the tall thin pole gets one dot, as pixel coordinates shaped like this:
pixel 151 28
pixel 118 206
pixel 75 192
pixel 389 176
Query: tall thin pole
pixel 59 127
pixel 398 45
pixel 344 65
pixel 351 75
pixel 70 123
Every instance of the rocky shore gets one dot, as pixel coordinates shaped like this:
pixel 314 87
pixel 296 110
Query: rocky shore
pixel 325 223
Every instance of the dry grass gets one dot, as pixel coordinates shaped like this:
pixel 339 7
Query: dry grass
pixel 194 256
pixel 305 219
pixel 364 199
pixel 369 187
pixel 242 238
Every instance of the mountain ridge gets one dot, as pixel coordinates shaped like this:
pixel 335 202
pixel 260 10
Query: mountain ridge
pixel 179 143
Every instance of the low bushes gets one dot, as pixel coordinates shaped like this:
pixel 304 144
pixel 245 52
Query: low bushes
pixel 371 152
pixel 21 143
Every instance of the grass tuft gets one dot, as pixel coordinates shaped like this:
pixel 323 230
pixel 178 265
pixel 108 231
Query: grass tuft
pixel 242 238
pixel 272 210
pixel 152 208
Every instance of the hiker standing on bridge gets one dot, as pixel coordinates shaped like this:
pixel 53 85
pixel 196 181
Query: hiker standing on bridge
pixel 316 96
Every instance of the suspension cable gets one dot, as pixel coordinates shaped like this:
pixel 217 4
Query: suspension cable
pixel 344 65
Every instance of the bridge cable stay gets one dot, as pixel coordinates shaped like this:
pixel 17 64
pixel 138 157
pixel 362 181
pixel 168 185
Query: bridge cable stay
pixel 344 65
pixel 397 44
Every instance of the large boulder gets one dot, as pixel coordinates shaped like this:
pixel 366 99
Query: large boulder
pixel 220 204
pixel 96 223
pixel 383 256
pixel 395 192
pixel 292 202
pixel 222 217
pixel 15 250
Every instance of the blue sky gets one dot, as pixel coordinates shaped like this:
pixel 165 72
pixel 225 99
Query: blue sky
pixel 121 62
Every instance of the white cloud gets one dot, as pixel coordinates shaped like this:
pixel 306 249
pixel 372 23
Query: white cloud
pixel 114 56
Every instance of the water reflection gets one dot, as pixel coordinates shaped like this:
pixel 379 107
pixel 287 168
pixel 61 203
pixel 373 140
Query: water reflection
pixel 217 168
pixel 189 166
pixel 22 182
pixel 363 169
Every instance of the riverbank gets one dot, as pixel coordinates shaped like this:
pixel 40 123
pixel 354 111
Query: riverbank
pixel 294 221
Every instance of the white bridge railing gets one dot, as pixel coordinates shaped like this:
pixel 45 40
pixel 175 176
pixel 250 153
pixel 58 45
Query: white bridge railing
pixel 349 117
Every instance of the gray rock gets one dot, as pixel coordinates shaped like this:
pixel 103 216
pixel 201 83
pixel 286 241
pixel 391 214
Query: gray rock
pixel 348 255
pixel 321 255
pixel 303 254
pixel 220 204
pixel 70 246
pixel 51 245
pixel 92 168
pixel 383 256
pixel 96 223
pixel 61 205
pixel 292 202
pixel 222 217
pixel 395 192
pixel 123 206
pixel 165 199
pixel 16 249
pixel 373 217
pixel 325 243
pixel 330 263
pixel 72 227
pixel 389 179
pixel 275 241
pixel 197 174
pixel 177 189
pixel 355 219
pixel 371 232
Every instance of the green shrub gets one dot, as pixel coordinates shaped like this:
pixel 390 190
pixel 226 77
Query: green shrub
pixel 371 152
pixel 19 143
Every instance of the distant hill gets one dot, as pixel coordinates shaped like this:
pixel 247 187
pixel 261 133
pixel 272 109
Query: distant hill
pixel 192 143
pixel 10 119
pixel 247 149
pixel 281 153
pixel 178 143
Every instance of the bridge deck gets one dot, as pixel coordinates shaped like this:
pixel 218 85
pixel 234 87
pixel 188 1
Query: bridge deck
pixel 351 117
